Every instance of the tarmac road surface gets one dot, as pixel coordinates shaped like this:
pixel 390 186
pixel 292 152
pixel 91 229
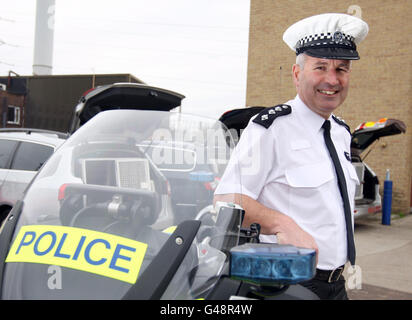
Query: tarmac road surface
pixel 384 259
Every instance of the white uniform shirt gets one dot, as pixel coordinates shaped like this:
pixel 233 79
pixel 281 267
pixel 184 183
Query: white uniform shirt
pixel 287 167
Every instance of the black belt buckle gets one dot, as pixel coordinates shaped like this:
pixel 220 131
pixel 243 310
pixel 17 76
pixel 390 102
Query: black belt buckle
pixel 335 274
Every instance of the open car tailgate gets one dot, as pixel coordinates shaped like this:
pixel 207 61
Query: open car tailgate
pixel 123 96
pixel 368 132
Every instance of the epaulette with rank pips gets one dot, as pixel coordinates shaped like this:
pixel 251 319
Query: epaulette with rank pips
pixel 268 115
pixel 341 122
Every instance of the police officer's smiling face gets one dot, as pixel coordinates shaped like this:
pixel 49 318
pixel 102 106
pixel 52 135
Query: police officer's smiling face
pixel 322 84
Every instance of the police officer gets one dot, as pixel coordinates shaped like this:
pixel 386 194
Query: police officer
pixel 291 170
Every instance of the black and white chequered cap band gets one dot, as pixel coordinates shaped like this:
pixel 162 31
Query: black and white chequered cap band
pixel 326 40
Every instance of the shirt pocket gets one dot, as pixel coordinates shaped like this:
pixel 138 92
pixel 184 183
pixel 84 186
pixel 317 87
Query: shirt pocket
pixel 312 195
pixel 310 175
pixel 300 144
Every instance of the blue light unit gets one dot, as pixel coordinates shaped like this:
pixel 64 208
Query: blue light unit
pixel 201 176
pixel 271 263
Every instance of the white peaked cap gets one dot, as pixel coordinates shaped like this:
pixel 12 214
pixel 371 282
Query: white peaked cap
pixel 328 35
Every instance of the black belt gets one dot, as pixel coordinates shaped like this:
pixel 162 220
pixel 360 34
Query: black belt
pixel 329 275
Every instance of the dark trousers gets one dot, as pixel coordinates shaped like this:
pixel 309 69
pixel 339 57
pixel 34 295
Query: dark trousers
pixel 327 291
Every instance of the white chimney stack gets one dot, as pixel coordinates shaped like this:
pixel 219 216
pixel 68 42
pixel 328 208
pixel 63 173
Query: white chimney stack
pixel 43 38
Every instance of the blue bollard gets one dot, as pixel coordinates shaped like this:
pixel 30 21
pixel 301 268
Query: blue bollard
pixel 387 201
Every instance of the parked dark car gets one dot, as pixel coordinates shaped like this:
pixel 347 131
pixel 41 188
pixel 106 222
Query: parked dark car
pixel 194 179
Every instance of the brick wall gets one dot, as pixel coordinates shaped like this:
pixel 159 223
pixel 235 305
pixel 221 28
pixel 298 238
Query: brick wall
pixel 381 81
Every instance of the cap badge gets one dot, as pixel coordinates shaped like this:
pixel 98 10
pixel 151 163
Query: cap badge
pixel 338 37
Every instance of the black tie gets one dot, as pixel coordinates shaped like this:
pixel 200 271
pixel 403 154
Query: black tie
pixel 343 191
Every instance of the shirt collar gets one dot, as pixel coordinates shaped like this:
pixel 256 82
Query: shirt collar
pixel 312 119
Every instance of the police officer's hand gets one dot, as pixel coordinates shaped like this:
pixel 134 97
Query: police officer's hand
pixel 288 232
pixel 272 222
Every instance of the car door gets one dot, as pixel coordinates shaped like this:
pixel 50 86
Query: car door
pixel 27 160
pixel 7 149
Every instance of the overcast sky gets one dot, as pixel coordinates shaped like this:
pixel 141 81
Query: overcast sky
pixel 195 47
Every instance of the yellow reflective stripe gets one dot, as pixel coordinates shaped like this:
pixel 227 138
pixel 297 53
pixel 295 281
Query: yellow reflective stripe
pixel 81 249
pixel 170 230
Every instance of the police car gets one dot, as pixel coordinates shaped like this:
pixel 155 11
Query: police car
pixel 367 196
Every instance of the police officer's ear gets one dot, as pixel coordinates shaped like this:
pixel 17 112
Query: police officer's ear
pixel 296 69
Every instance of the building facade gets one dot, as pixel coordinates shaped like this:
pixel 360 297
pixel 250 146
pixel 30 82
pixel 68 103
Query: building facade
pixel 381 81
pixel 47 102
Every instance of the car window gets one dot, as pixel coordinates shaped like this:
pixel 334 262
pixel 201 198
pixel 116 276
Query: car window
pixel 31 156
pixel 6 149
